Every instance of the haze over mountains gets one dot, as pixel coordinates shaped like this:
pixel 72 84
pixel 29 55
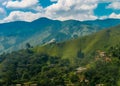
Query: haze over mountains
pixel 101 40
pixel 86 61
pixel 15 35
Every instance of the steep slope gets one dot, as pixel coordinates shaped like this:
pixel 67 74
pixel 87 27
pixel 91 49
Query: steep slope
pixel 45 66
pixel 15 35
pixel 85 45
pixel 29 68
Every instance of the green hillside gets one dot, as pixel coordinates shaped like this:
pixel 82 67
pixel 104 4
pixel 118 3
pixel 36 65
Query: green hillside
pixel 86 45
pixel 88 61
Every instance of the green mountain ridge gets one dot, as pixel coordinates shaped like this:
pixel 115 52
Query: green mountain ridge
pixel 15 35
pixel 101 40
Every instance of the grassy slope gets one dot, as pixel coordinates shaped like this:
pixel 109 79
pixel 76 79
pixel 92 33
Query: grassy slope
pixel 98 41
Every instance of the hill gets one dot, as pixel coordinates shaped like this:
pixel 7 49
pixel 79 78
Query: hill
pixel 15 35
pixel 98 41
pixel 88 61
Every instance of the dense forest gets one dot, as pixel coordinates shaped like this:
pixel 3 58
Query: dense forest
pixel 27 67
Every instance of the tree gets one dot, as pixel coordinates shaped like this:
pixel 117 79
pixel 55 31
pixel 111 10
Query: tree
pixel 28 45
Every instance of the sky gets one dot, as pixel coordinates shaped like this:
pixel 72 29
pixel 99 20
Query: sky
pixel 30 10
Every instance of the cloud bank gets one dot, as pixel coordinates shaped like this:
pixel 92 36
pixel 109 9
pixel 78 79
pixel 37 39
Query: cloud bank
pixel 114 5
pixel 29 10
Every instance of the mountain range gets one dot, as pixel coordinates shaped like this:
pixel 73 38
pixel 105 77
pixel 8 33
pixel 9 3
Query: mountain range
pixel 91 60
pixel 87 45
pixel 15 35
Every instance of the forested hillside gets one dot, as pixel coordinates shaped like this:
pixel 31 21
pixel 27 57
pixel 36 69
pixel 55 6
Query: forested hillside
pixel 88 61
pixel 28 67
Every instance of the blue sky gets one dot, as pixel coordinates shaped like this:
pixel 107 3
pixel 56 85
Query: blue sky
pixel 29 10
pixel 46 3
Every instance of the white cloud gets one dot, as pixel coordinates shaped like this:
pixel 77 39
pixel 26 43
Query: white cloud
pixel 2 13
pixel 72 9
pixel 114 5
pixel 22 16
pixel 114 15
pixel 107 0
pixel 21 4
pixel 4 3
pixel 62 10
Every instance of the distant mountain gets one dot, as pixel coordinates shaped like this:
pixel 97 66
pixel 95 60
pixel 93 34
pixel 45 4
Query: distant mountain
pixel 104 23
pixel 86 45
pixel 15 35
